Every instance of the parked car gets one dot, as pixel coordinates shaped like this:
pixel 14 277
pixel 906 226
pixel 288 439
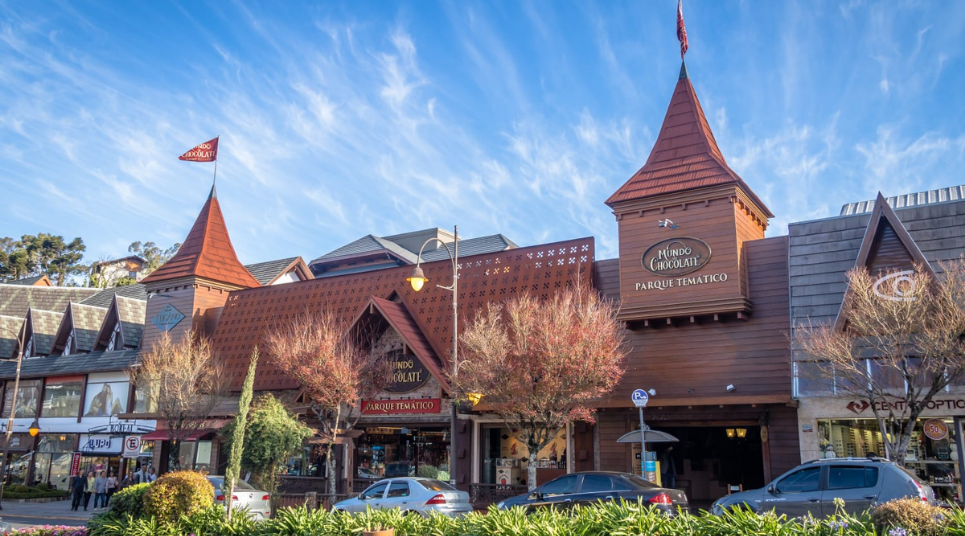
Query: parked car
pixel 593 486
pixel 410 494
pixel 257 502
pixel 811 488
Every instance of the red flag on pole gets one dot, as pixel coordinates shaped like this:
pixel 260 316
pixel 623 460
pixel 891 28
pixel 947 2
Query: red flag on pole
pixel 681 30
pixel 205 152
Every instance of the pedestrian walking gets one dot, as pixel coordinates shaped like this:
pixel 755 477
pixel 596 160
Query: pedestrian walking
pixel 111 486
pixel 89 490
pixel 151 475
pixel 100 491
pixel 78 485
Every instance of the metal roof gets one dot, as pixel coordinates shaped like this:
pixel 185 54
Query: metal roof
pixel 39 367
pixel 266 272
pixel 928 197
pixel 106 296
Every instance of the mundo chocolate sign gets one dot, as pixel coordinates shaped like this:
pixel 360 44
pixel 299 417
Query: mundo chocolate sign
pixel 676 256
pixel 408 373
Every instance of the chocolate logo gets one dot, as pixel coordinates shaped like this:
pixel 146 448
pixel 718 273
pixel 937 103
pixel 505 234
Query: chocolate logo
pixel 676 256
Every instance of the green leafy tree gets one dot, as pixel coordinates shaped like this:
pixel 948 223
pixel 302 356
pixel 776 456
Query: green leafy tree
pixel 238 435
pixel 41 254
pixel 274 434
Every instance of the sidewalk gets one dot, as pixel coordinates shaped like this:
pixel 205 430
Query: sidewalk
pixel 57 510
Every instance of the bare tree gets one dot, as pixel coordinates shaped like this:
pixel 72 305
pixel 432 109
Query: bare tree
pixel 182 383
pixel 900 345
pixel 334 364
pixel 541 363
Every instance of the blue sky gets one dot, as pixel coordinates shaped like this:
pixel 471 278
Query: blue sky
pixel 340 119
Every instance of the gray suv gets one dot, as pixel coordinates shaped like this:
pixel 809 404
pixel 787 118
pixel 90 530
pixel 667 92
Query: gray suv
pixel 812 487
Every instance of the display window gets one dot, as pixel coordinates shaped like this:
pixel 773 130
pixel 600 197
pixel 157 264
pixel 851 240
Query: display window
pixel 28 398
pixel 62 397
pixel 106 399
pixel 52 460
pixel 386 452
pixel 932 452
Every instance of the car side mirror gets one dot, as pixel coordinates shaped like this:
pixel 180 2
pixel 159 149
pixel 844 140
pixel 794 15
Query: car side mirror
pixel 772 490
pixel 536 496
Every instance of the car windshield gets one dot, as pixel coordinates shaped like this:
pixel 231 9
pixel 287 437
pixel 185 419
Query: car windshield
pixel 435 485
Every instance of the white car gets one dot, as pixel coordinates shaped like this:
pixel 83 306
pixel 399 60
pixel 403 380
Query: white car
pixel 410 494
pixel 256 502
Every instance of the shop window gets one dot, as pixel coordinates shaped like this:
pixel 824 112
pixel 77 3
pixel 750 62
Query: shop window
pixel 106 399
pixel 852 477
pixel 142 402
pixel 62 397
pixel 186 451
pixel 885 376
pixel 802 481
pixel 398 489
pixel 564 484
pixel 28 396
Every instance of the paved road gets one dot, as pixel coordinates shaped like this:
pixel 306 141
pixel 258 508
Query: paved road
pixel 21 514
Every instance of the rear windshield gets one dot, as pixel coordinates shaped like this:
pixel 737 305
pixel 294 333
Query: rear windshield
pixel 910 473
pixel 639 482
pixel 435 485
pixel 218 483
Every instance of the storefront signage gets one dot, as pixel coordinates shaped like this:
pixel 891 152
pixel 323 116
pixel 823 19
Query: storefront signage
pixel 118 427
pixel 935 429
pixel 664 284
pixel 100 444
pixel 676 256
pixel 167 318
pixel 75 463
pixel 398 407
pixel 948 404
pixel 408 373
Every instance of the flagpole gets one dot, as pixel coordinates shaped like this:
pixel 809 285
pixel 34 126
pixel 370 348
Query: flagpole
pixel 214 182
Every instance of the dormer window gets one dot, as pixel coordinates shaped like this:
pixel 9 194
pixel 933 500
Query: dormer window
pixel 70 340
pixel 28 349
pixel 115 335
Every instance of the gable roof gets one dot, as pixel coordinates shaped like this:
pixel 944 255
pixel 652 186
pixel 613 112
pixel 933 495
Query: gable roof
pixel 206 252
pixel 917 199
pixel 367 244
pixel 268 272
pixel 130 314
pixel 16 300
pixel 397 316
pixel 884 225
pixel 41 329
pixel 36 281
pixel 685 155
pixel 10 329
pixel 85 321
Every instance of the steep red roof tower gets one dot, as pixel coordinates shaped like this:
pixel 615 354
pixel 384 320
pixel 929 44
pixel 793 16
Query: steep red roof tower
pixel 683 219
pixel 189 291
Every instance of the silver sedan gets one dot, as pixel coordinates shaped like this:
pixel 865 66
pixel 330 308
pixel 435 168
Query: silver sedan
pixel 256 502
pixel 410 494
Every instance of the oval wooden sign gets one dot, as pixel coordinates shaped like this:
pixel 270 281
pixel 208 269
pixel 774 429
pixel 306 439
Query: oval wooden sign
pixel 676 256
pixel 408 373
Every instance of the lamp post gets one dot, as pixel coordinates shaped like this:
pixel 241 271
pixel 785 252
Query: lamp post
pixel 4 465
pixel 417 280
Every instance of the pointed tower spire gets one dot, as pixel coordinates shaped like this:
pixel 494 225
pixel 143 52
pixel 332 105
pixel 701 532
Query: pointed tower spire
pixel 206 252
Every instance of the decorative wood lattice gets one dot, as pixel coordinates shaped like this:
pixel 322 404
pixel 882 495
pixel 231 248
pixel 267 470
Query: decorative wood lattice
pixel 485 278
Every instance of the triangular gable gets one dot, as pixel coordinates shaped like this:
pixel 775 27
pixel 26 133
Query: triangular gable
pixel 122 324
pixel 398 318
pixel 886 246
pixel 11 328
pixel 41 329
pixel 81 324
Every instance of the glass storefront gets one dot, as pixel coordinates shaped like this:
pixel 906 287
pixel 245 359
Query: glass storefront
pixel 28 395
pixel 52 459
pixel 399 451
pixel 932 453
pixel 505 460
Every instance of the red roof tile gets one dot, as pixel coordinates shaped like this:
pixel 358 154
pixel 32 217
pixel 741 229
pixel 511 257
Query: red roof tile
pixel 206 252
pixel 398 316
pixel 685 155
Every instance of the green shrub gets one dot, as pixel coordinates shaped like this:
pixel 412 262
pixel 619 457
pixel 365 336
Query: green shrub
pixel 17 488
pixel 913 515
pixel 129 501
pixel 428 471
pixel 181 493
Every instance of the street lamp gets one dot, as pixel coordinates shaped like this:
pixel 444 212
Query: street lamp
pixel 13 408
pixel 418 280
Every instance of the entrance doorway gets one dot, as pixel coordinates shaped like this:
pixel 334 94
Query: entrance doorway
pixel 712 460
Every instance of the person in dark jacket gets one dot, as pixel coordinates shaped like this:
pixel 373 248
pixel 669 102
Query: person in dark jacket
pixel 78 485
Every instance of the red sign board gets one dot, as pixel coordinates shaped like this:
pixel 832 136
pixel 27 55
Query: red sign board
pixel 397 407
pixel 75 464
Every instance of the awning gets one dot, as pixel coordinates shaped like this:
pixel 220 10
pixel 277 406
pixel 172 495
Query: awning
pixel 652 436
pixel 163 435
